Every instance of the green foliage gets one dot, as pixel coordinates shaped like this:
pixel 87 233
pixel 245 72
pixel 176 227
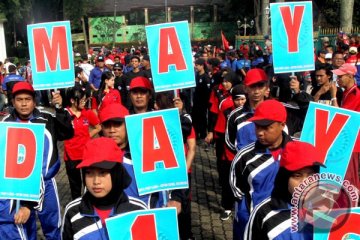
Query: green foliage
pixel 75 10
pixel 105 29
pixel 15 10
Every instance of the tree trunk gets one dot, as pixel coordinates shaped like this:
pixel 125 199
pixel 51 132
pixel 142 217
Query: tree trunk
pixel 85 35
pixel 14 29
pixel 264 18
pixel 346 14
pixel 257 14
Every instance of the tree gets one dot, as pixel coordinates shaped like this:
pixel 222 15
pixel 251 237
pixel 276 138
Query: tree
pixel 76 10
pixel 346 14
pixel 15 11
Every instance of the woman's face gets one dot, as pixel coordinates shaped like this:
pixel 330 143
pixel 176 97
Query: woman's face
pixel 81 105
pixel 98 181
pixel 298 176
pixel 110 82
pixel 178 103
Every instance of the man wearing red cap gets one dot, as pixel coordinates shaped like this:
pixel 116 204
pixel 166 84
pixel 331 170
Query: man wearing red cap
pixel 105 179
pixel 112 119
pixel 345 78
pixel 58 128
pixel 254 167
pixel 256 86
pixel 140 95
pixel 351 100
pixel 271 218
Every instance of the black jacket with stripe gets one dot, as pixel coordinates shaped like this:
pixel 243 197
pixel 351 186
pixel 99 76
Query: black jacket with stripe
pixel 82 222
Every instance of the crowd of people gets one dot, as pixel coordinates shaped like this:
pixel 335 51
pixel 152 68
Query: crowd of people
pixel 249 113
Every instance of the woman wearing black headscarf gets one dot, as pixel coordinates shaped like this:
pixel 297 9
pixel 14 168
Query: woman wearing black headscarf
pixel 273 218
pixel 105 179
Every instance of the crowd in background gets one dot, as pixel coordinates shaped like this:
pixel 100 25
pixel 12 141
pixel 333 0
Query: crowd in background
pixel 238 104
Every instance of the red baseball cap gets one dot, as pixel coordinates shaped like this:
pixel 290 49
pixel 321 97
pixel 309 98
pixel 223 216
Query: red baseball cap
pixel 22 87
pixel 102 153
pixel 268 112
pixel 113 112
pixel 255 75
pixel 297 155
pixel 346 68
pixel 140 82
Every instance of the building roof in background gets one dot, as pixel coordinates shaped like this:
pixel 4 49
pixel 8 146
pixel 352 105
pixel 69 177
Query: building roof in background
pixel 107 6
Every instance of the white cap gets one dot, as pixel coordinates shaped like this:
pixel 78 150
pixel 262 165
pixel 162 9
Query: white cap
pixel 325 39
pixel 109 61
pixel 328 56
pixel 353 50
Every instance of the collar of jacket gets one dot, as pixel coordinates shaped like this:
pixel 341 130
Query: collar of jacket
pixel 86 207
pixel 260 148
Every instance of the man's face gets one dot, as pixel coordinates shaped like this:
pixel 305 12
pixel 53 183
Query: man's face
pixel 321 77
pixel 199 67
pixel 135 62
pixel 109 66
pixel 345 81
pixel 256 92
pixel 117 71
pixel 100 64
pixel 270 135
pixel 24 104
pixel 139 98
pixel 204 56
pixel 116 131
pixel 145 63
pixel 338 60
pixel 116 60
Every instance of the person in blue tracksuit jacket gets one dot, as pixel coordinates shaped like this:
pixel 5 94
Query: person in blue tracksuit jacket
pixel 57 128
pixel 271 219
pixel 105 179
pixel 254 167
pixel 112 119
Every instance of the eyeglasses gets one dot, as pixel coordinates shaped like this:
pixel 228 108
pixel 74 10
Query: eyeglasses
pixel 118 70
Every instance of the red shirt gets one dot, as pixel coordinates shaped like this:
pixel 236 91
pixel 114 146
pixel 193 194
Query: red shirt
pixel 113 96
pixel 74 147
pixel 103 214
pixel 220 107
pixel 226 104
pixel 351 101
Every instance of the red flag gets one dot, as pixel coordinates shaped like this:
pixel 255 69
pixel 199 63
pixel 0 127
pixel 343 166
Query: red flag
pixel 225 42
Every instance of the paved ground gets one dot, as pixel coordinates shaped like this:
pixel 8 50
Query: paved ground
pixel 205 198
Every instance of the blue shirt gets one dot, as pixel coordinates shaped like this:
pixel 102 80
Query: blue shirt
pixel 95 76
